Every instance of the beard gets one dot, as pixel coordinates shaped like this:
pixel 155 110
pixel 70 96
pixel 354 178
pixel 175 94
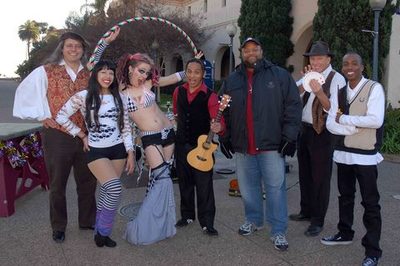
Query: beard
pixel 250 64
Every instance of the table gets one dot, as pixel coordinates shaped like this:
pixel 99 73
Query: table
pixel 22 166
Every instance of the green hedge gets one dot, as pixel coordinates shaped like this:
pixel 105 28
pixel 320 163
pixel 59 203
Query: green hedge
pixel 391 133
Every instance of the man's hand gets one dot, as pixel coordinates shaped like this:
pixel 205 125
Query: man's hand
pixel 287 148
pixel 199 55
pixel 306 70
pixel 215 127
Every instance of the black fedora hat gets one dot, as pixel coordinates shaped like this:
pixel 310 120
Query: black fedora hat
pixel 319 48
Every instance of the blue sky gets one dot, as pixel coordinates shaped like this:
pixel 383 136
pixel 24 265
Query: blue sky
pixel 15 12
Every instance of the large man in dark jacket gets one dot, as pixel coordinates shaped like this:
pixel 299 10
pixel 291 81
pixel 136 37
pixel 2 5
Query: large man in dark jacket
pixel 262 127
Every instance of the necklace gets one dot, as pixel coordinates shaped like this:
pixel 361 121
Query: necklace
pixel 250 88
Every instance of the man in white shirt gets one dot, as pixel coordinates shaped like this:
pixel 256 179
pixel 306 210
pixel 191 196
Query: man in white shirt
pixel 40 96
pixel 314 146
pixel 356 117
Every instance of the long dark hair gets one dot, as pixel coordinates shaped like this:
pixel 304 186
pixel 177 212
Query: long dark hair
pixel 93 100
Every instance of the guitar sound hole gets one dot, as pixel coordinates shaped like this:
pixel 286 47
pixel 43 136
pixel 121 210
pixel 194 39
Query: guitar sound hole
pixel 201 158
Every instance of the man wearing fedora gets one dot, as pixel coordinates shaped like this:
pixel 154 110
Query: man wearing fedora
pixel 314 147
pixel 263 122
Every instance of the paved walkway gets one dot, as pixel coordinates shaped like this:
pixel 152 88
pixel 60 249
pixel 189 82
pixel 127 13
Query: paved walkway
pixel 25 237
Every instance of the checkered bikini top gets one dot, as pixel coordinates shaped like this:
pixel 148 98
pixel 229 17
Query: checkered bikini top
pixel 147 100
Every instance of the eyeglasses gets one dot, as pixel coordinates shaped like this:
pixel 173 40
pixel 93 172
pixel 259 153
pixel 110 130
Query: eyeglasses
pixel 142 71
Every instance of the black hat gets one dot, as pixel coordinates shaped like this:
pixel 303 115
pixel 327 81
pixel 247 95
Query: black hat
pixel 319 48
pixel 250 39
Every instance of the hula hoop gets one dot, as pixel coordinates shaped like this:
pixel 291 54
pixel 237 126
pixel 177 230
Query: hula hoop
pixel 135 19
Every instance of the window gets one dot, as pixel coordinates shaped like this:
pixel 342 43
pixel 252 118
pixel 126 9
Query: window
pixel 189 11
pixel 223 3
pixel 205 6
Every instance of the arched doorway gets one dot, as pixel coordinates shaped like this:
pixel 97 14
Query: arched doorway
pixel 301 46
pixel 177 63
pixel 225 63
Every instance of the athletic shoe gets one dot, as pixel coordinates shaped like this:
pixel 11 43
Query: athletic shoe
pixel 280 242
pixel 337 239
pixel 370 261
pixel 183 222
pixel 247 229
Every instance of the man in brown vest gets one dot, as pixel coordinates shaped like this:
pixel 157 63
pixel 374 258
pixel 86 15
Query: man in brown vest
pixel 314 151
pixel 356 118
pixel 40 96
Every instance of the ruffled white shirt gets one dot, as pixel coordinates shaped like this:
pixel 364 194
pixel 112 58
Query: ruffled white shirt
pixel 30 100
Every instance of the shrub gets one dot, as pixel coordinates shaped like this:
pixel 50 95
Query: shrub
pixel 391 134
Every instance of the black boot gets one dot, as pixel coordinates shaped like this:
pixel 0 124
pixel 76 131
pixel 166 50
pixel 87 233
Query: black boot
pixel 104 241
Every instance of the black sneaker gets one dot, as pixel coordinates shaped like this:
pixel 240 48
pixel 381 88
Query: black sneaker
pixel 370 261
pixel 211 231
pixel 337 239
pixel 183 222
pixel 58 236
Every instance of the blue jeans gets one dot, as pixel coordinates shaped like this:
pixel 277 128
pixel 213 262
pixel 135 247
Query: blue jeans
pixel 264 169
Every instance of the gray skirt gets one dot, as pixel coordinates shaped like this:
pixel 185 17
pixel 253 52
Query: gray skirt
pixel 156 217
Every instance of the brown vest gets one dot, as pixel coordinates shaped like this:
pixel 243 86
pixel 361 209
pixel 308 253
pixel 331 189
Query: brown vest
pixel 60 88
pixel 318 114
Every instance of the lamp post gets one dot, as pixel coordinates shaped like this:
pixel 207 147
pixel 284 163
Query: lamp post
pixel 376 6
pixel 231 30
pixel 154 47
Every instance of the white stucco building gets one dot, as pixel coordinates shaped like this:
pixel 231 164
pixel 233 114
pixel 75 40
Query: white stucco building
pixel 219 13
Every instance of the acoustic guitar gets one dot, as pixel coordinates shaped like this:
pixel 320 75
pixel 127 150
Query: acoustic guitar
pixel 201 157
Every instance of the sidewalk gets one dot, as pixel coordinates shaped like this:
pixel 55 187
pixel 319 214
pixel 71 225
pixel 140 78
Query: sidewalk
pixel 25 237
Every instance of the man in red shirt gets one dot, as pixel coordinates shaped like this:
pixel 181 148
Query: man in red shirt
pixel 194 106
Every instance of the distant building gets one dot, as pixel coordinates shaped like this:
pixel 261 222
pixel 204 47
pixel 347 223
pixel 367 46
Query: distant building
pixel 219 13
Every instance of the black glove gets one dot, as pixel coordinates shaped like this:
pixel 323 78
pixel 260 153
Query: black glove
pixel 287 148
pixel 226 149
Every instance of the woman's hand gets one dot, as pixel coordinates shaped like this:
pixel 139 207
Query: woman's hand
pixel 113 35
pixel 49 123
pixel 130 162
pixel 85 142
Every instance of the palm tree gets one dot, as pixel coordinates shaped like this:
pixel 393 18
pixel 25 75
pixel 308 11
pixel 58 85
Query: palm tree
pixel 29 32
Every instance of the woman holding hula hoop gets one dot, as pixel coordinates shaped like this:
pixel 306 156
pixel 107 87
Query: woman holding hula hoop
pixel 156 218
pixel 108 144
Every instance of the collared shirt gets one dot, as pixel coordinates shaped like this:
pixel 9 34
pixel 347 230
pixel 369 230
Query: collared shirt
pixel 31 95
pixel 338 82
pixel 213 105
pixel 349 124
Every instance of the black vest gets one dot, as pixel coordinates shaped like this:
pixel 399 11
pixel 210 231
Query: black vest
pixel 193 119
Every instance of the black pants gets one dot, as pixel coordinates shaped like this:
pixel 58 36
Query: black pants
pixel 61 153
pixel 367 179
pixel 315 169
pixel 189 180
